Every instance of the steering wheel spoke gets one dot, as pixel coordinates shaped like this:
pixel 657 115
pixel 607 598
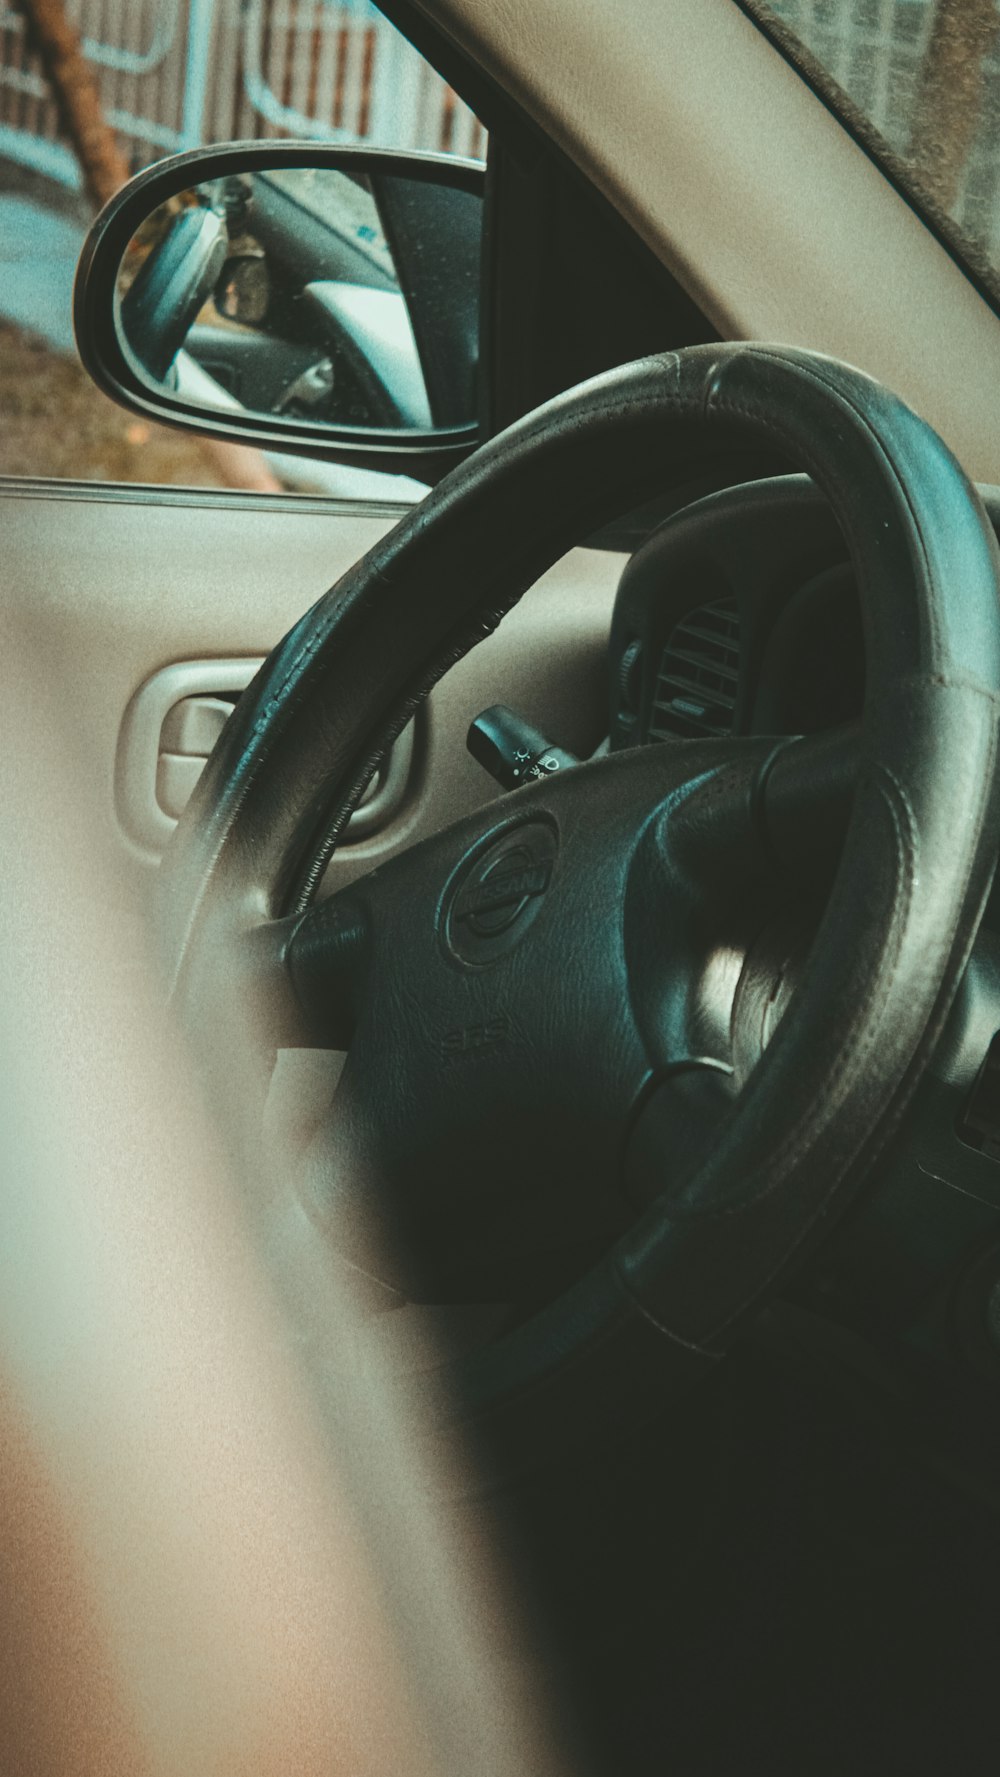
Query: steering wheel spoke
pixel 325 956
pixel 806 802
pixel 675 1127
pixel 728 894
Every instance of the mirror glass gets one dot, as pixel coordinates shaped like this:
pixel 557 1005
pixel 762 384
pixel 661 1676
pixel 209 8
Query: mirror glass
pixel 328 296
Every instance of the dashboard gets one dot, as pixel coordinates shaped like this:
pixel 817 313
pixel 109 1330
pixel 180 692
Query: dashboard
pixel 739 615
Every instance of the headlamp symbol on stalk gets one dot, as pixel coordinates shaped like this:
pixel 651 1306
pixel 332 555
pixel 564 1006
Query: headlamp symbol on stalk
pixel 511 750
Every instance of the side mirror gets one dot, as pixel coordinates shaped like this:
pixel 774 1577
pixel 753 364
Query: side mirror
pixel 298 297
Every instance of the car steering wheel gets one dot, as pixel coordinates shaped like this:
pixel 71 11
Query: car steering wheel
pixel 566 1078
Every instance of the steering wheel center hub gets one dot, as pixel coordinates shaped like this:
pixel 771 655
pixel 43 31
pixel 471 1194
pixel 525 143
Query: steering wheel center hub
pixel 497 894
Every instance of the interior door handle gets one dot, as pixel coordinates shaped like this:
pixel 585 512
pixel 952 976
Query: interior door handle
pixel 193 726
pixel 190 731
pixel 169 729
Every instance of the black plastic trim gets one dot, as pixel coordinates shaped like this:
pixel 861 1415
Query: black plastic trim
pixel 521 151
pixel 480 91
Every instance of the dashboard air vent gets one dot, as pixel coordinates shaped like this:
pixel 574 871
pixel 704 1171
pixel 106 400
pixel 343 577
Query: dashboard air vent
pixel 698 678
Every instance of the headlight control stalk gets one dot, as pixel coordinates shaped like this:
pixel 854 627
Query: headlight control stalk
pixel 512 751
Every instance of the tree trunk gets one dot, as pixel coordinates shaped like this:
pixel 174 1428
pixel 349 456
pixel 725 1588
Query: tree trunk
pixel 949 94
pixel 105 170
pixel 78 96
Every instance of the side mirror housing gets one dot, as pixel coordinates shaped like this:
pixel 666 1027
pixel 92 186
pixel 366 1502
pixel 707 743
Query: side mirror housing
pixel 302 298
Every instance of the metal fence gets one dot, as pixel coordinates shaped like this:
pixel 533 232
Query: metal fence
pixel 179 73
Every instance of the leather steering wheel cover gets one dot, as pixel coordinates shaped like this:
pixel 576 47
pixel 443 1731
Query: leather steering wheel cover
pixel 920 847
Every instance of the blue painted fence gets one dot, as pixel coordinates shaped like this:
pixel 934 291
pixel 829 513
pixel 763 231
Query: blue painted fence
pixel 178 73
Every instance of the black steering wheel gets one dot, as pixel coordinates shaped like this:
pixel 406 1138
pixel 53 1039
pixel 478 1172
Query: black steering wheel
pixel 565 1080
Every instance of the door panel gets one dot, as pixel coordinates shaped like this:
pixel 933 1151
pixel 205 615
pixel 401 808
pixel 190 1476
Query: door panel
pixel 108 587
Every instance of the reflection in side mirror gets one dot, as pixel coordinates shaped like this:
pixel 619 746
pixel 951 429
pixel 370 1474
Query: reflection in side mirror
pixel 319 295
pixel 243 292
pixel 171 284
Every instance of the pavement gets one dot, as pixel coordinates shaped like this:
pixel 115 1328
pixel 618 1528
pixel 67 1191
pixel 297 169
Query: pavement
pixel 38 253
pixel 53 421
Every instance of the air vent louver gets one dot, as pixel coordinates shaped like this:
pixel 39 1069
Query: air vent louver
pixel 697 683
